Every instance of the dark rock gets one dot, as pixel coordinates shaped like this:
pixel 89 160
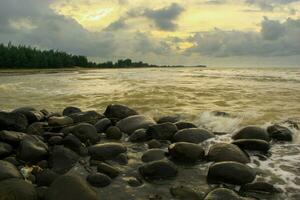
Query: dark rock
pixel 106 151
pixel 183 193
pixel 183 125
pixel 45 177
pixel 62 159
pixel 31 114
pixel 121 159
pixel 252 144
pixel 139 135
pixel 41 192
pixel 102 125
pixel 73 143
pixel 171 119
pixel 107 169
pixel 55 140
pixel 43 164
pixel 280 133
pixel 98 180
pixel 60 121
pixel 8 170
pixel 152 144
pixel 88 117
pixel 252 132
pixel 17 189
pixel 32 149
pixel 5 150
pixel 70 110
pixel 153 154
pixel 260 187
pixel 220 114
pixel 70 187
pixel 12 160
pixel 133 123
pixel 222 194
pixel 134 182
pixel 48 135
pixel 227 152
pixel 163 131
pixel 159 169
pixel 119 111
pixel 37 128
pixel 85 132
pixel 230 172
pixel 114 133
pixel 11 137
pixel 184 151
pixel 192 135
pixel 13 121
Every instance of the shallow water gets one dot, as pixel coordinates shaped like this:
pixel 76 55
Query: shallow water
pixel 251 96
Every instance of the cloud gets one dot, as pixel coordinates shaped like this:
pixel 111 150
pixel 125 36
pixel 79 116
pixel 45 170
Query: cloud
pixel 270 5
pixel 120 24
pixel 274 39
pixel 164 18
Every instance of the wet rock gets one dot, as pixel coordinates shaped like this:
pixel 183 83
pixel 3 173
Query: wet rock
pixel 252 132
pixel 253 145
pixel 70 187
pixel 73 143
pixel 8 170
pixel 159 169
pixel 222 194
pixel 230 172
pixel 5 150
pixel 11 137
pixel 41 192
pixel 152 144
pixel 107 169
pixel 260 187
pixel 86 117
pixel 121 159
pixel 48 135
pixel 227 152
pixel 280 133
pixel 153 154
pixel 130 124
pixel 220 114
pixel 31 114
pixel 55 140
pixel 12 160
pixel 106 151
pixel 134 182
pixel 113 133
pixel 187 152
pixel 62 159
pixel 163 131
pixel 117 111
pixel 139 135
pixel 70 110
pixel 170 118
pixel 192 135
pixel 183 125
pixel 13 121
pixel 45 177
pixel 102 125
pixel 43 164
pixel 17 189
pixel 182 192
pixel 60 121
pixel 32 149
pixel 85 132
pixel 37 128
pixel 98 180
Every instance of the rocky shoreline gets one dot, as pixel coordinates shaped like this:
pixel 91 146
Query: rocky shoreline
pixel 40 152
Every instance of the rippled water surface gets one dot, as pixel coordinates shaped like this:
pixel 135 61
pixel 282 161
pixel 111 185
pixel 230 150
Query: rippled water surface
pixel 251 96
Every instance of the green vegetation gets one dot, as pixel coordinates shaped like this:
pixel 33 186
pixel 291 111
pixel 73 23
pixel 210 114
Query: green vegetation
pixel 27 57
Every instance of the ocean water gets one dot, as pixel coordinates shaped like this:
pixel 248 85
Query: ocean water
pixel 250 96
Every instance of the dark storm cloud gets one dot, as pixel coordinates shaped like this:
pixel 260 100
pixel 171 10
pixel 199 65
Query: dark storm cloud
pixel 164 18
pixel 274 39
pixel 32 22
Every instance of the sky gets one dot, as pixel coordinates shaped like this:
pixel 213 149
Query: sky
pixel 259 33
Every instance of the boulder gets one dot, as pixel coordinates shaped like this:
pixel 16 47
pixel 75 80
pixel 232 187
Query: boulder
pixel 117 111
pixel 98 180
pixel 260 187
pixel 85 132
pixel 227 152
pixel 187 152
pixel 70 110
pixel 45 177
pixel 73 143
pixel 60 121
pixel 17 189
pixel 107 169
pixel 152 144
pixel 183 193
pixel 160 169
pixel 5 150
pixel 130 124
pixel 153 154
pixel 222 194
pixel 12 159
pixel 102 125
pixel 41 192
pixel 252 132
pixel 170 118
pixel 8 170
pixel 253 145
pixel 32 149
pixel 183 125
pixel 163 131
pixel 13 122
pixel 106 151
pixel 31 114
pixel 230 172
pixel 139 135
pixel 280 133
pixel 70 187
pixel 37 128
pixel 192 135
pixel 113 133
pixel 11 137
pixel 88 117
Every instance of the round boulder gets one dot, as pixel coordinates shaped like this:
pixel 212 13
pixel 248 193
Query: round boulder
pixel 98 180
pixel 113 133
pixel 139 135
pixel 253 145
pixel 252 132
pixel 17 189
pixel 170 118
pixel 153 154
pixel 8 170
pixel 86 117
pixel 183 125
pixel 60 121
pixel 192 135
pixel 107 169
pixel 5 150
pixel 117 111
pixel 132 123
pixel 280 133
pixel 31 114
pixel 13 121
pixel 106 151
pixel 11 137
pixel 222 194
pixel 159 169
pixel 45 177
pixel 85 132
pixel 163 131
pixel 70 110
pixel 102 125
pixel 185 151
pixel 260 187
